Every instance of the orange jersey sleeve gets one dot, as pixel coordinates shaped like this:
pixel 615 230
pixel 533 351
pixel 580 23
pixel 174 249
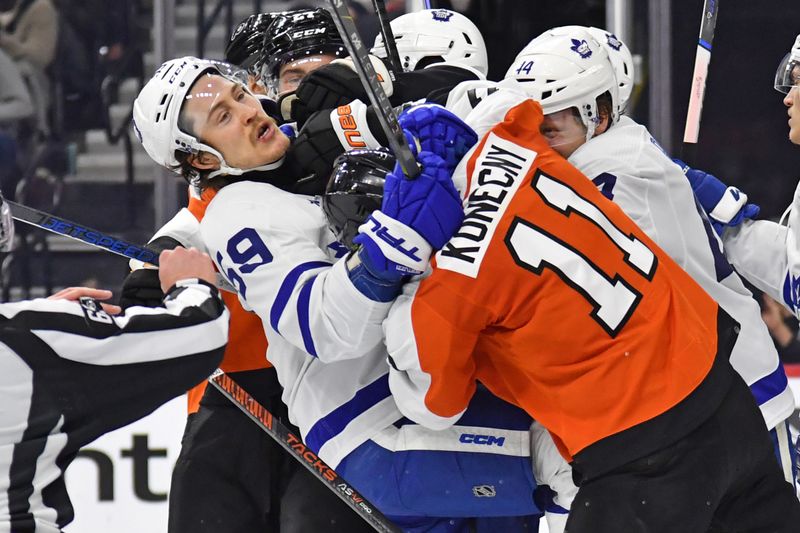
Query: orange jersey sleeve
pixel 247 343
pixel 553 298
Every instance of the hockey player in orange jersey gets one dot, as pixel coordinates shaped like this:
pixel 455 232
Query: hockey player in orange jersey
pixel 556 301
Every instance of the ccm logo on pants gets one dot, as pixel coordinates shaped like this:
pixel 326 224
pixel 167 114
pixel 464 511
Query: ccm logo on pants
pixel 488 440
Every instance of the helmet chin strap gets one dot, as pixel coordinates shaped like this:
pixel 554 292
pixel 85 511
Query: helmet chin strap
pixel 225 170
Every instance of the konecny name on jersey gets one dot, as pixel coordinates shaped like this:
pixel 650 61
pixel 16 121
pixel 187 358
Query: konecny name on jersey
pixel 499 169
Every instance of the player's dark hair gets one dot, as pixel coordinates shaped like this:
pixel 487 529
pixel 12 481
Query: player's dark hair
pixel 196 176
pixel 605 108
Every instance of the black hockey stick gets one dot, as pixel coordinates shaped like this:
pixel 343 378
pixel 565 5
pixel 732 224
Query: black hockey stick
pixel 377 96
pixel 389 42
pixel 701 62
pixel 92 237
pixel 292 444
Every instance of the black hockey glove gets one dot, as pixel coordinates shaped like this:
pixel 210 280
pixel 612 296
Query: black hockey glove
pixel 314 150
pixel 142 287
pixel 325 88
pixel 329 87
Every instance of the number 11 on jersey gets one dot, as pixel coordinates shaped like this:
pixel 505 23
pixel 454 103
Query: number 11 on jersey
pixel 613 299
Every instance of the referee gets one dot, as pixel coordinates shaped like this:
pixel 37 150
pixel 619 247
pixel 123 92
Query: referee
pixel 71 371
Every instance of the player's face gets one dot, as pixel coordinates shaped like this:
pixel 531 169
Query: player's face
pixel 291 74
pixel 222 114
pixel 792 101
pixel 564 131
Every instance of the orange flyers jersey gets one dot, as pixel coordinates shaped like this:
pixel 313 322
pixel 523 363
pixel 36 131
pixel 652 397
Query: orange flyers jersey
pixel 247 344
pixel 550 296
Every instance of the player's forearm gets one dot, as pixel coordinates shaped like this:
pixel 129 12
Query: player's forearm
pixel 194 321
pixel 757 250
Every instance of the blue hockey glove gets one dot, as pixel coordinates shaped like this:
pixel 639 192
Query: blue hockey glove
pixel 429 204
pixel 391 250
pixel 726 206
pixel 437 130
pixel 417 216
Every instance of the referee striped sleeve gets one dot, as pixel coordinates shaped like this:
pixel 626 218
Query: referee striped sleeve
pixel 194 321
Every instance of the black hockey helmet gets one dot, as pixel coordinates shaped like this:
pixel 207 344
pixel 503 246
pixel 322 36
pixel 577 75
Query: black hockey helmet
pixel 355 190
pixel 296 34
pixel 244 46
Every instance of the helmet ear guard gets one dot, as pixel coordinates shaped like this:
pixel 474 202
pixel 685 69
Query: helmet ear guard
pixel 355 190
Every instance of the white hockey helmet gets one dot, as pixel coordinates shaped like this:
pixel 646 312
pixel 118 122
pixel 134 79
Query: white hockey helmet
pixel 567 69
pixel 788 74
pixel 621 60
pixel 437 35
pixel 157 108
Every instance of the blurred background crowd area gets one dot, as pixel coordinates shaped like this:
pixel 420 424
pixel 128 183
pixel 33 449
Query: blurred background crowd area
pixel 70 69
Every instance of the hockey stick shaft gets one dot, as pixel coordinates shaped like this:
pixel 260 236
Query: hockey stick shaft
pixel 90 236
pixel 375 93
pixel 294 445
pixel 389 42
pixel 700 75
pixel 79 232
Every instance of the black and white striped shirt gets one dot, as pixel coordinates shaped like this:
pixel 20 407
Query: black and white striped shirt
pixel 69 373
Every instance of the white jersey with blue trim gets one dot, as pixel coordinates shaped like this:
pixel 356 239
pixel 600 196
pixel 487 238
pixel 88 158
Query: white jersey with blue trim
pixel 325 338
pixel 630 168
pixel 767 254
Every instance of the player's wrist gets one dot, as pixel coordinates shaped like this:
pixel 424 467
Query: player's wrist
pixel 368 280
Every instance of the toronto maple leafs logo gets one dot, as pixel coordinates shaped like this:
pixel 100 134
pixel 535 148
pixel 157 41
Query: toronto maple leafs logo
pixel 613 42
pixel 441 15
pixel 581 47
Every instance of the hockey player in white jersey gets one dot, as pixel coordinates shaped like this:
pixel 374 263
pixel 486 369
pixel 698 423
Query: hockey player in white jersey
pixel 71 370
pixel 569 72
pixel 270 50
pixel 765 253
pixel 323 312
pixel 284 496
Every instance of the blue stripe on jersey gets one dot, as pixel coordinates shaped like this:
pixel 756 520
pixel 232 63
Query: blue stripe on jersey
pixel 770 385
pixel 288 285
pixel 303 302
pixel 789 297
pixel 334 423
